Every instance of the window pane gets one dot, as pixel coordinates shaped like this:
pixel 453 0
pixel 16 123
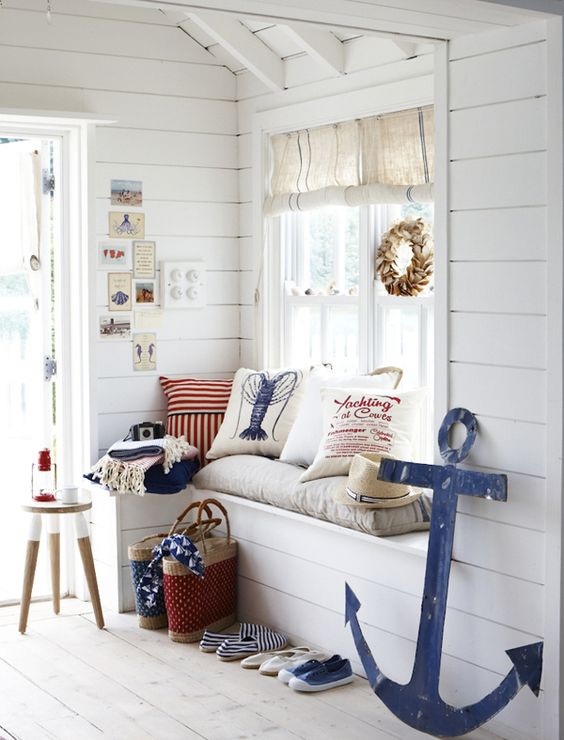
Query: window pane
pixel 401 342
pixel 342 338
pixel 331 250
pixel 304 345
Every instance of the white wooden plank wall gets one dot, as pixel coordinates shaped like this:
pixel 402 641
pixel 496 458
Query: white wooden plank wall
pixel 497 332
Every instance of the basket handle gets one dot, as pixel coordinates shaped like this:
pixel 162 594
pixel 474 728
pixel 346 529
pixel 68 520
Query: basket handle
pixel 180 517
pixel 390 369
pixel 204 506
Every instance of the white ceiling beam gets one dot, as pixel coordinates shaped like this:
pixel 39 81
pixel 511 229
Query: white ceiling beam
pixel 322 46
pixel 407 48
pixel 243 45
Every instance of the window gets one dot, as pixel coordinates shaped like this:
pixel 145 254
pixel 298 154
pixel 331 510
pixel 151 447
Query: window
pixel 334 308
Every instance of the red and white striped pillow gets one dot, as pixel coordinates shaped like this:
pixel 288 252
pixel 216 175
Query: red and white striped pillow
pixel 196 409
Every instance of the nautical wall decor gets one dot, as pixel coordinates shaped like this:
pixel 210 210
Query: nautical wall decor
pixel 418 702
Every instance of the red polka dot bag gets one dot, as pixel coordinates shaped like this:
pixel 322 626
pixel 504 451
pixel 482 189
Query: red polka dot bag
pixel 195 604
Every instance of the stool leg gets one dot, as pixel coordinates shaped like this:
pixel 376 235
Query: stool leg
pixel 55 557
pixel 29 571
pixel 85 550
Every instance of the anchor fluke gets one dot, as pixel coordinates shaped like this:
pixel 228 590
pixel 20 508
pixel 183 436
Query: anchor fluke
pixel 352 604
pixel 527 661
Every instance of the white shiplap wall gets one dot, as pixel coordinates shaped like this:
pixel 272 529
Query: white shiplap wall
pixel 498 247
pixel 175 129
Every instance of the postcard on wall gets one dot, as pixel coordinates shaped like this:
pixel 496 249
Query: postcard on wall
pixel 123 225
pixel 119 291
pixel 114 327
pixel 144 260
pixel 110 255
pixel 145 293
pixel 127 193
pixel 145 351
pixel 149 319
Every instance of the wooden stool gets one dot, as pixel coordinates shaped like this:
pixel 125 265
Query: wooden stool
pixel 53 509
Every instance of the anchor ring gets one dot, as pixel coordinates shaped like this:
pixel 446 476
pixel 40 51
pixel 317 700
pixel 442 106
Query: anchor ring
pixel 453 417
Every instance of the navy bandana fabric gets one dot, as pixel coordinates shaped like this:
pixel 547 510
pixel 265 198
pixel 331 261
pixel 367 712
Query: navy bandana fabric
pixel 179 547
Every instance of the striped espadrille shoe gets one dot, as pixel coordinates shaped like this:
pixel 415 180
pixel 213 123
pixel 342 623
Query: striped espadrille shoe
pixel 212 640
pixel 264 640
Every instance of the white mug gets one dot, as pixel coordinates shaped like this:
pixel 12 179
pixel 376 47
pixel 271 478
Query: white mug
pixel 68 495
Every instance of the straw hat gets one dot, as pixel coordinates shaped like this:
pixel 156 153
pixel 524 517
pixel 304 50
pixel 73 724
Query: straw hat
pixel 364 489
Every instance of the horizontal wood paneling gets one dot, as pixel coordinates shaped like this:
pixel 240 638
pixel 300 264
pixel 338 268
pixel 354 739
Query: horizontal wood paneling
pixel 128 108
pixel 518 341
pixel 512 393
pixel 493 77
pixel 74 69
pixel 505 38
pixel 498 182
pixel 220 253
pixel 507 128
pixel 167 218
pixel 113 37
pixel 166 147
pixel 114 426
pixel 165 183
pixel 115 359
pixel 508 235
pixel 498 287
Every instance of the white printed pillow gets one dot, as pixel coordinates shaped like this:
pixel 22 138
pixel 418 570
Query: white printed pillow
pixel 306 434
pixel 260 413
pixel 357 420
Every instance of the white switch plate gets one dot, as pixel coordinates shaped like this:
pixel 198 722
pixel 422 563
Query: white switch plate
pixel 183 284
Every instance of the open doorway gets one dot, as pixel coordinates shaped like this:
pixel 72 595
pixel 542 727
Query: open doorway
pixel 30 243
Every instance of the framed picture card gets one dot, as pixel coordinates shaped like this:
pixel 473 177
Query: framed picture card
pixel 145 351
pixel 114 327
pixel 111 256
pixel 145 293
pixel 123 225
pixel 144 260
pixel 127 193
pixel 119 291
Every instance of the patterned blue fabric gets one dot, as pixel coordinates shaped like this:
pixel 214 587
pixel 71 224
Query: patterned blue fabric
pixel 181 548
pixel 157 608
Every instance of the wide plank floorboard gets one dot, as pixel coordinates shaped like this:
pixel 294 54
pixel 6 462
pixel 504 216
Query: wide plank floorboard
pixel 67 679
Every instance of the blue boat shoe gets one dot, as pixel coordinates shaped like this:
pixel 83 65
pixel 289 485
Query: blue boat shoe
pixel 328 675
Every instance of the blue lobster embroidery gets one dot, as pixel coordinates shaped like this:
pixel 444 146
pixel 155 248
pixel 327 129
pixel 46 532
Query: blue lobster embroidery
pixel 261 392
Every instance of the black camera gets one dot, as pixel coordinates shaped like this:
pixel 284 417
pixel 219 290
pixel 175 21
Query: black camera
pixel 146 430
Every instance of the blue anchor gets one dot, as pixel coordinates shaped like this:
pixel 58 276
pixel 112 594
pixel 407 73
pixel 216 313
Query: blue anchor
pixel 418 703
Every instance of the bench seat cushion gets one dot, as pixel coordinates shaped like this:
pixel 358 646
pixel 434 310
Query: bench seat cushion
pixel 276 483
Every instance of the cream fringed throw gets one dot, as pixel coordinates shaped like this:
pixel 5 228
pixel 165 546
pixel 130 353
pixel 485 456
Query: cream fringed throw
pixel 122 476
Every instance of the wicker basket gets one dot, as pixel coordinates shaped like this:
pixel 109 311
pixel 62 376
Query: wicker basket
pixel 196 604
pixel 141 553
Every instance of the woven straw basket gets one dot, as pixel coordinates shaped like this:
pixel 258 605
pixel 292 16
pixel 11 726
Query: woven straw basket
pixel 141 553
pixel 196 604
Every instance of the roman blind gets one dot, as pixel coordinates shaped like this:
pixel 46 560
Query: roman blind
pixel 380 159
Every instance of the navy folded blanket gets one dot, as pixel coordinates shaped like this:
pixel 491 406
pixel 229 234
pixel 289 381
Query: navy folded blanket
pixel 174 481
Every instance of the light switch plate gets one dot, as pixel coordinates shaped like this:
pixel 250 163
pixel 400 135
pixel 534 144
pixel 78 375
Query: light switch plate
pixel 183 284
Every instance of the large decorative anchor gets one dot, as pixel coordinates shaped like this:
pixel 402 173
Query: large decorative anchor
pixel 418 703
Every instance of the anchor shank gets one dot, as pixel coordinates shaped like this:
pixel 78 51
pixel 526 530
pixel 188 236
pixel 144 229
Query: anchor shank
pixel 426 669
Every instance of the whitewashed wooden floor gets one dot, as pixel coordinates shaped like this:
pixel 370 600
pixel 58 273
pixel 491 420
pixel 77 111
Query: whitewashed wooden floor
pixel 67 679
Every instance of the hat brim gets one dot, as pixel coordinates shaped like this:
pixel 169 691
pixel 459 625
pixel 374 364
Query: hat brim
pixel 342 497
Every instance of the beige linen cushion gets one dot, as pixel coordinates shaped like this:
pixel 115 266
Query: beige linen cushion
pixel 360 420
pixel 260 413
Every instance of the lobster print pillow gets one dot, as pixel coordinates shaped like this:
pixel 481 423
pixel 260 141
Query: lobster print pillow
pixel 360 420
pixel 260 413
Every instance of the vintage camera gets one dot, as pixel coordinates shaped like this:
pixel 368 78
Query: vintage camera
pixel 146 430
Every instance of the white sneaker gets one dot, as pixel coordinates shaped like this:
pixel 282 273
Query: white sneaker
pixel 287 659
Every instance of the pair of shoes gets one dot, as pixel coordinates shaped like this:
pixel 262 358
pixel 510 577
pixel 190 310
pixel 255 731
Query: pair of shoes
pixel 285 660
pixel 251 639
pixel 317 676
pixel 259 659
